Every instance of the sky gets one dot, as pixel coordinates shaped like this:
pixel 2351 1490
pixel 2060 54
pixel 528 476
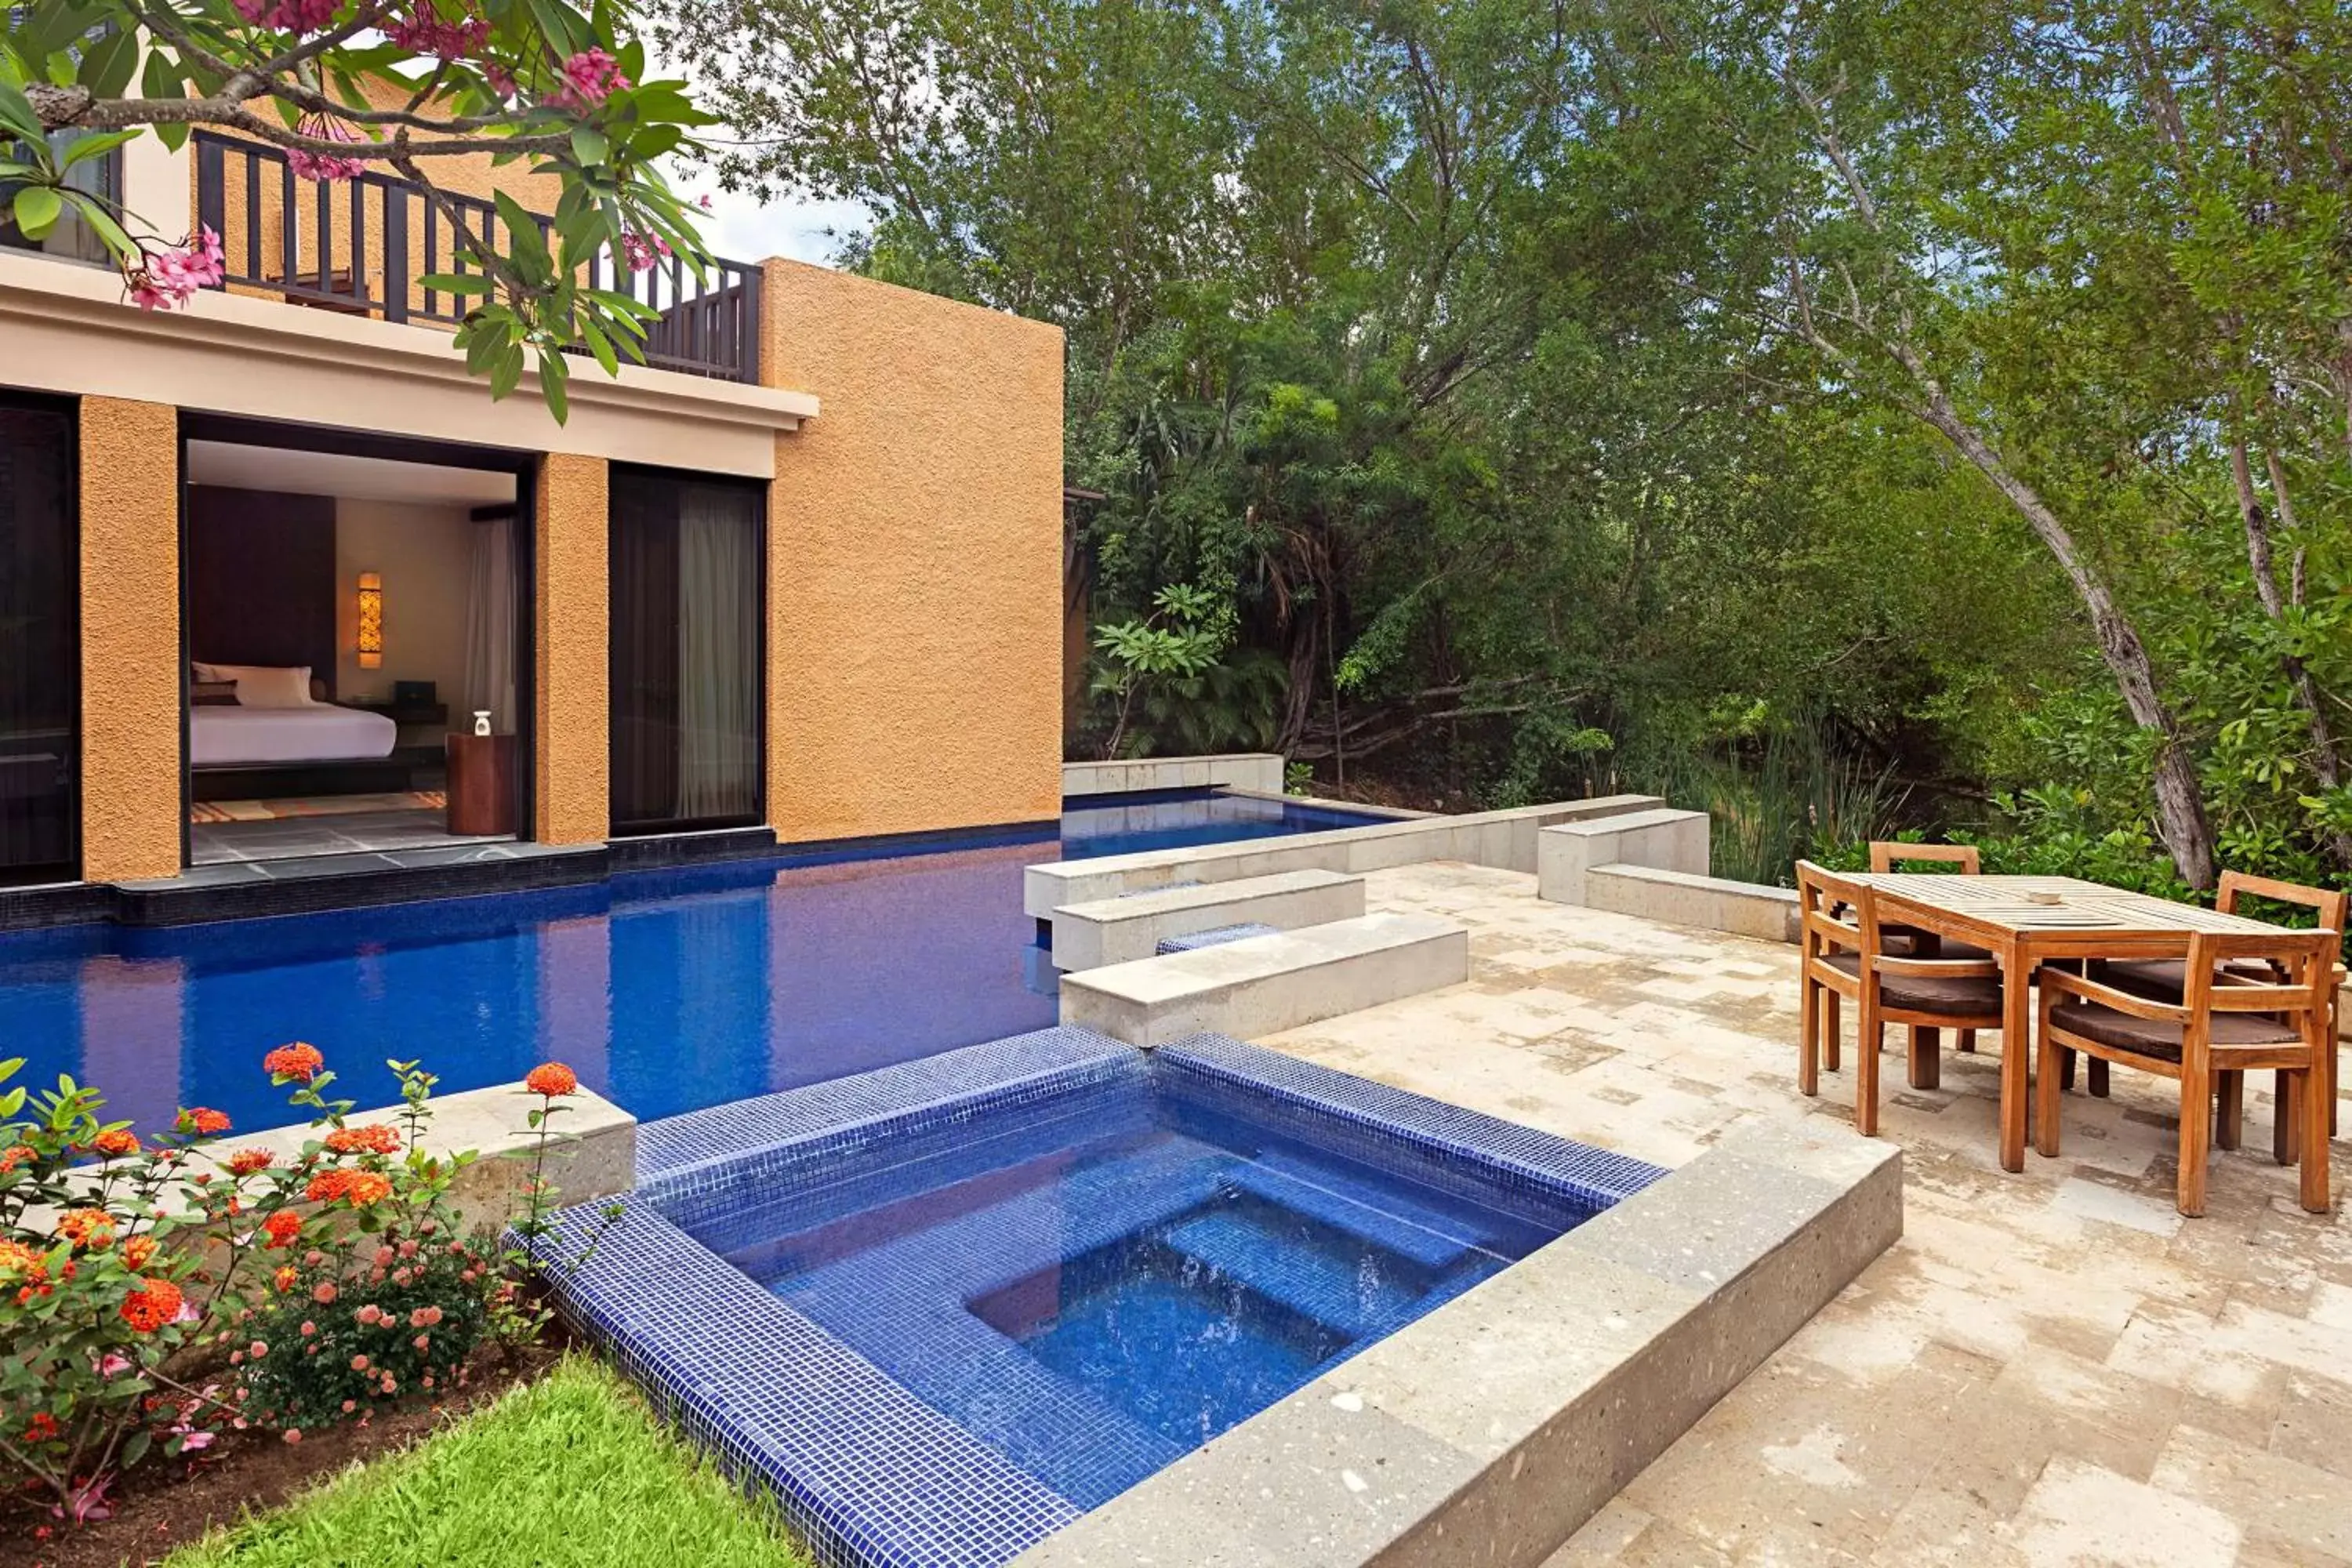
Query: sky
pixel 741 230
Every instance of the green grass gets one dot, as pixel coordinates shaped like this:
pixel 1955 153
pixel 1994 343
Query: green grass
pixel 571 1470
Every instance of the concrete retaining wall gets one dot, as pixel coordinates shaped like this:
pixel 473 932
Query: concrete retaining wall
pixel 1258 771
pixel 1661 836
pixel 1711 903
pixel 1120 931
pixel 1503 839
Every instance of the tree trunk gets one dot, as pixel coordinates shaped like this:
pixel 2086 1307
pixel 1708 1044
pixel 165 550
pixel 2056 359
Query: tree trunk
pixel 2187 831
pixel 2260 562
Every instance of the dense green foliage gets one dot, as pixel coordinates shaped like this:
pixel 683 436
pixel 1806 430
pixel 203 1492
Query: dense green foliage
pixel 571 1471
pixel 1932 407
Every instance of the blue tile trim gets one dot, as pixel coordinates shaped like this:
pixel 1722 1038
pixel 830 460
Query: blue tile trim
pixel 1453 1149
pixel 665 1147
pixel 866 1475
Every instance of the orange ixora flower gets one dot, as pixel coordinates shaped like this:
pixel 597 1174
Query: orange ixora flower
pixel 153 1305
pixel 552 1080
pixel 204 1120
pixel 22 1154
pixel 116 1141
pixel 90 1229
pixel 244 1161
pixel 357 1188
pixel 19 1262
pixel 137 1251
pixel 282 1228
pixel 299 1062
pixel 378 1139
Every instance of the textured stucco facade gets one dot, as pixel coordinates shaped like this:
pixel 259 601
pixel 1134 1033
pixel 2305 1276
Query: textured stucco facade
pixel 129 639
pixel 915 579
pixel 572 797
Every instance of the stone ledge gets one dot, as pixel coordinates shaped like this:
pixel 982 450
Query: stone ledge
pixel 1120 930
pixel 1489 1431
pixel 1503 839
pixel 1252 771
pixel 1678 898
pixel 1663 837
pixel 1267 983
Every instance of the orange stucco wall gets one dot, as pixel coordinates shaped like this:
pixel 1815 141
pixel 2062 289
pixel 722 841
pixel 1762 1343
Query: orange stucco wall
pixel 129 639
pixel 915 578
pixel 572 798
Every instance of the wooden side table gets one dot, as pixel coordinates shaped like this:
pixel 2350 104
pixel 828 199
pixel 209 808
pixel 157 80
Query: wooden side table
pixel 481 785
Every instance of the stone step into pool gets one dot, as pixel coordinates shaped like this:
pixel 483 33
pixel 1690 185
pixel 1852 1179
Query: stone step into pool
pixel 1056 1299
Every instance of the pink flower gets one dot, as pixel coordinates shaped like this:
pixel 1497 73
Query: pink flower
pixel 167 275
pixel 112 1366
pixel 640 250
pixel 590 78
pixel 500 79
pixel 323 1292
pixel 288 15
pixel 195 1442
pixel 424 33
pixel 293 1435
pixel 325 166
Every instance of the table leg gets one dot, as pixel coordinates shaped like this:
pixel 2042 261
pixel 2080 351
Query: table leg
pixel 2016 1032
pixel 1927 1056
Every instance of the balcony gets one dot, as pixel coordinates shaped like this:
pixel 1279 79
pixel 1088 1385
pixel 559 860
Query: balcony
pixel 363 247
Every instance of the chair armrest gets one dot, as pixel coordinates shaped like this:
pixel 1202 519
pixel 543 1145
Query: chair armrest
pixel 2065 983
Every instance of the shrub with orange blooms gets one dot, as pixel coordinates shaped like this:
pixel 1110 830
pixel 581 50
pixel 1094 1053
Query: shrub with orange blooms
pixel 552 1080
pixel 152 1293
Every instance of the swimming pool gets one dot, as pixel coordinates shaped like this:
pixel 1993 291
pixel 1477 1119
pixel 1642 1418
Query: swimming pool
pixel 667 991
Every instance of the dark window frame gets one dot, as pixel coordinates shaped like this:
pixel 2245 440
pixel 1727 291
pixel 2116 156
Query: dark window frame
pixel 68 410
pixel 615 827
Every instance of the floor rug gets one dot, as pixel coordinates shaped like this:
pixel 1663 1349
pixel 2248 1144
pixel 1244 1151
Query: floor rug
pixel 315 805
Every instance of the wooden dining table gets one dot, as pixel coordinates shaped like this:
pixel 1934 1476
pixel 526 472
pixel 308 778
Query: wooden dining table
pixel 2026 922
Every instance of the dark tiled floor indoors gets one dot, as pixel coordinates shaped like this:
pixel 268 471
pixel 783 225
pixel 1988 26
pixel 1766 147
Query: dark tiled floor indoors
pixel 276 838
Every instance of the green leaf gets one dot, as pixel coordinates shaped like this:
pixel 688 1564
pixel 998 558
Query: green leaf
pixel 16 114
pixel 468 283
pixel 601 347
pixel 110 232
pixel 554 383
pixel 108 65
pixel 36 209
pixel 85 148
pixel 505 372
pixel 588 145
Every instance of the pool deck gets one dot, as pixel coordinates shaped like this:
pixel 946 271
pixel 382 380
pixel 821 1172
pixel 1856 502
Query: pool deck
pixel 2049 1368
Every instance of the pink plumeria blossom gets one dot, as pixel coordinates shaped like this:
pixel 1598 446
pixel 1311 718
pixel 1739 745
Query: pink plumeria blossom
pixel 590 78
pixel 168 274
pixel 325 166
pixel 642 250
pixel 288 15
pixel 425 32
pixel 113 1365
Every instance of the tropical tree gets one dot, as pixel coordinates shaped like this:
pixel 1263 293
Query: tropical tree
pixel 348 86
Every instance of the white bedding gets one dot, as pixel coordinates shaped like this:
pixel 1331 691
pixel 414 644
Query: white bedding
pixel 321 732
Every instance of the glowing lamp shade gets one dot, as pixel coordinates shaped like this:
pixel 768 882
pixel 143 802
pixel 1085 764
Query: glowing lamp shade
pixel 371 621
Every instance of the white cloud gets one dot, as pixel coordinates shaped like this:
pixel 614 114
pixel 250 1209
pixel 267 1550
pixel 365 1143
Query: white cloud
pixel 741 229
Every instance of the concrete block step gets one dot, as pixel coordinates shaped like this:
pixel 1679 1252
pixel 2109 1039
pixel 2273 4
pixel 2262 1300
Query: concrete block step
pixel 1267 983
pixel 1215 936
pixel 1129 926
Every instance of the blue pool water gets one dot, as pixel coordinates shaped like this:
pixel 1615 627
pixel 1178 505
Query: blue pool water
pixel 1095 1296
pixel 667 991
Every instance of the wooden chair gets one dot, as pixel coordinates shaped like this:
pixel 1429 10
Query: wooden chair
pixel 1889 855
pixel 2217 1027
pixel 1847 958
pixel 2166 980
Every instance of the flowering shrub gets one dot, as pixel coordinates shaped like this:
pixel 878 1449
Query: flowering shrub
pixel 151 1293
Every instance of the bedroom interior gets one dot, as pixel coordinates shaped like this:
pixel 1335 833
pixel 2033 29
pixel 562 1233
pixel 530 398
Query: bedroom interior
pixel 346 616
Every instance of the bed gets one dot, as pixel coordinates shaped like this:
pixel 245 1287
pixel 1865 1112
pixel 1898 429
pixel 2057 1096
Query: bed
pixel 232 736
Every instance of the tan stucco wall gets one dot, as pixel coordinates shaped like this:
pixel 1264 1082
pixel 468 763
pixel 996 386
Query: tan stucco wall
pixel 915 578
pixel 572 797
pixel 425 554
pixel 129 639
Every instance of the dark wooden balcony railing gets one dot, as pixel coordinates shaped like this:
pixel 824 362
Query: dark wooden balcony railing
pixel 364 246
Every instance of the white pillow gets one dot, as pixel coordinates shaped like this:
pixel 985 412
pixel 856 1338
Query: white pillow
pixel 263 685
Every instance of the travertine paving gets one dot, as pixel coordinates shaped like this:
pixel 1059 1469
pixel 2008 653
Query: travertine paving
pixel 2051 1368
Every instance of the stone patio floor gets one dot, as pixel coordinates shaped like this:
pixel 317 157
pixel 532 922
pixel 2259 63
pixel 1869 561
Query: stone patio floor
pixel 2049 1368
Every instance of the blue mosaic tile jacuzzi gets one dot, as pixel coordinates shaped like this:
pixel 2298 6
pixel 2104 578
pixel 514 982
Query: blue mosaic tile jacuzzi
pixel 942 1309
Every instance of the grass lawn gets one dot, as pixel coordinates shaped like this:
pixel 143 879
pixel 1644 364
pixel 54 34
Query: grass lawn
pixel 571 1470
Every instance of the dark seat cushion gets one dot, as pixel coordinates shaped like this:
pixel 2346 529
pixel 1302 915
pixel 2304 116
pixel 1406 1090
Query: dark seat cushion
pixel 1906 941
pixel 2164 979
pixel 2160 1037
pixel 1966 996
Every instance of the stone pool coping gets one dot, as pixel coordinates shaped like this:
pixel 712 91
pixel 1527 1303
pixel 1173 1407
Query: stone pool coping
pixel 1489 1430
pixel 868 1475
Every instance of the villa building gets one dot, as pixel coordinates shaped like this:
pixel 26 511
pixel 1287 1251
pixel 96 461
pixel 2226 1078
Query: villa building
pixel 264 562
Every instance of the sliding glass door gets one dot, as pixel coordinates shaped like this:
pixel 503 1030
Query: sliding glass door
pixel 687 695
pixel 40 592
